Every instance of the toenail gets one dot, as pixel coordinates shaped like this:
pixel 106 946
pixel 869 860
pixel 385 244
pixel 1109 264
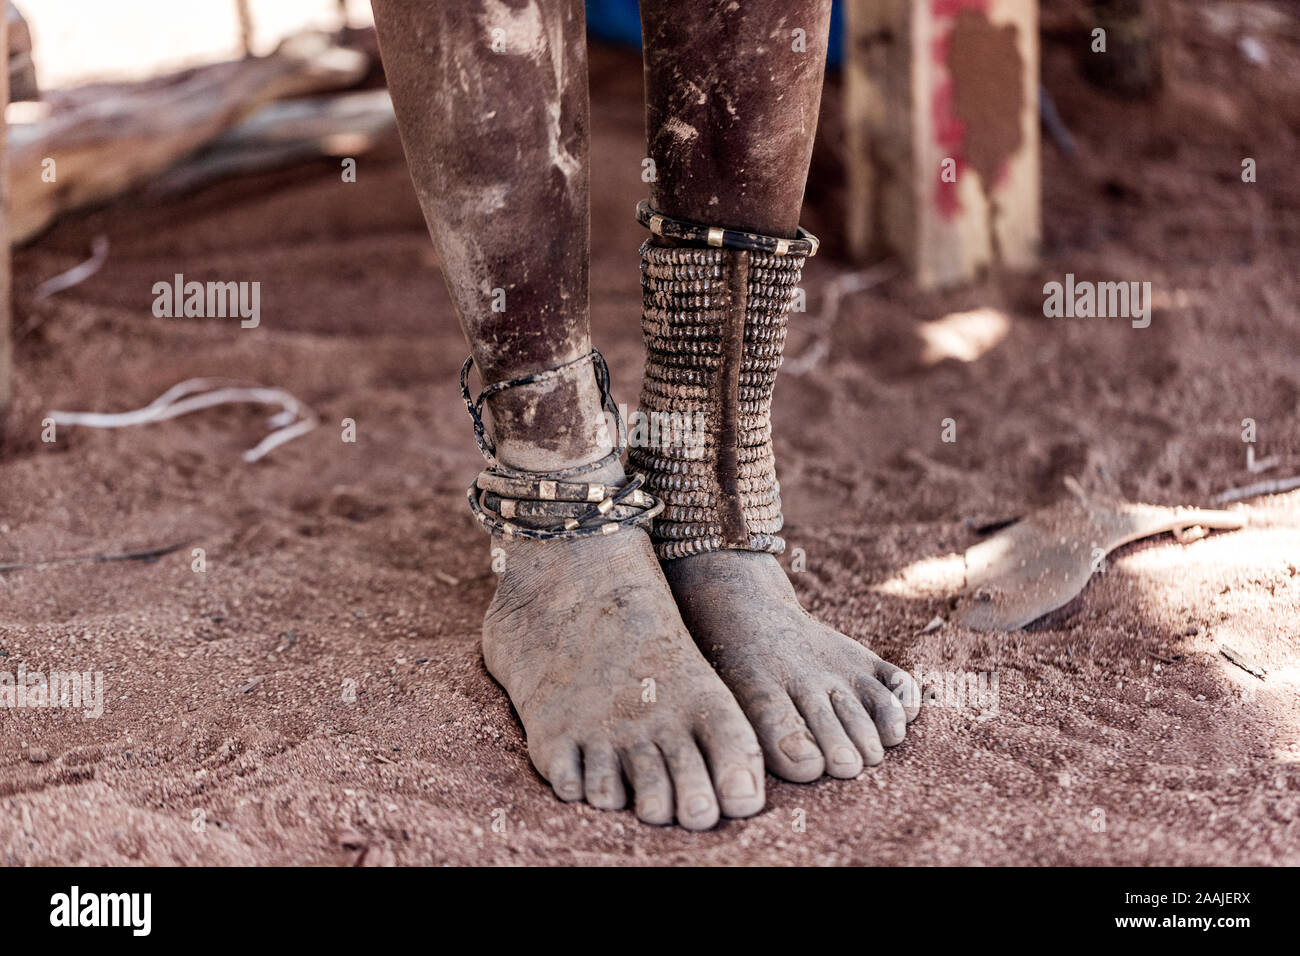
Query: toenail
pixel 652 807
pixel 738 784
pixel 799 746
pixel 698 805
pixel 844 756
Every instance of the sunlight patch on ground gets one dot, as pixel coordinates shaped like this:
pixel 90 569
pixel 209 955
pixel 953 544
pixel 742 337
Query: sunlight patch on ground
pixel 1248 548
pixel 926 578
pixel 963 336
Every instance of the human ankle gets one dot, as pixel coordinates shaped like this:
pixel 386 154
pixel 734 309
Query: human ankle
pixel 554 425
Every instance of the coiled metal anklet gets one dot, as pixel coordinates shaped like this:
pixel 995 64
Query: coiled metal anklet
pixel 501 493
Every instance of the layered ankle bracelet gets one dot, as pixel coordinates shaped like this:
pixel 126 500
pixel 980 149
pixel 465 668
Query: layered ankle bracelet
pixel 714 315
pixel 514 503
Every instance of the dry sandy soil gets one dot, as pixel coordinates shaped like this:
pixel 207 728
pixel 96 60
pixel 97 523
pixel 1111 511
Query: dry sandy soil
pixel 1121 734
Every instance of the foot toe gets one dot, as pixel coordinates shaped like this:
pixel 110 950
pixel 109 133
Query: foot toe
pixel 736 762
pixel 603 776
pixel 789 749
pixel 697 806
pixel 651 784
pixel 858 725
pixel 886 710
pixel 842 757
pixel 902 685
pixel 562 767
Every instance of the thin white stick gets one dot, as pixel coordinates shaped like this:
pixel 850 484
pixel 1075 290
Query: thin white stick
pixel 1275 487
pixel 294 418
pixel 837 290
pixel 77 274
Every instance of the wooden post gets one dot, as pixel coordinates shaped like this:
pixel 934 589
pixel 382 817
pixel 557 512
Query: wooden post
pixel 245 17
pixel 942 119
pixel 6 295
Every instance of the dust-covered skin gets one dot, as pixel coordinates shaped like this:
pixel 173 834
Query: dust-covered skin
pixel 819 701
pixel 732 95
pixel 584 636
pixel 731 113
pixel 491 102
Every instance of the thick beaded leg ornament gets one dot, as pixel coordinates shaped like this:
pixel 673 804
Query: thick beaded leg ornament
pixel 714 320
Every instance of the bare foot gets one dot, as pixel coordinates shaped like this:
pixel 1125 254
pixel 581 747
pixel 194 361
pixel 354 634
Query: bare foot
pixel 819 701
pixel 586 639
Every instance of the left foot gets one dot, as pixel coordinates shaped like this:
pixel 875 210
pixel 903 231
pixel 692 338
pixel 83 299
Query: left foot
pixel 819 701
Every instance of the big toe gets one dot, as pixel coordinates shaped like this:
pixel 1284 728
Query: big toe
pixel 788 746
pixel 736 762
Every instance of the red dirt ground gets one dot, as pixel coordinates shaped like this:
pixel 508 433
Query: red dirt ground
pixel 1122 735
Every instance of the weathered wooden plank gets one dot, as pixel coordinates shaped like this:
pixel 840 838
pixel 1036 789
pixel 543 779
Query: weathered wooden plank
pixel 105 140
pixel 342 124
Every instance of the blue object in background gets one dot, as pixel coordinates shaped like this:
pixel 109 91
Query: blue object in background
pixel 618 21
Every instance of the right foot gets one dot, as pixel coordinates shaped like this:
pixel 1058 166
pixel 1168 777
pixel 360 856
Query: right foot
pixel 586 638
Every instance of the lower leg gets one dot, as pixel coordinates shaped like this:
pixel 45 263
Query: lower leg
pixel 492 108
pixel 731 132
pixel 496 139
pixel 732 98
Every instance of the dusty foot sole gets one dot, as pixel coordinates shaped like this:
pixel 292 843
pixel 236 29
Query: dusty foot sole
pixel 614 695
pixel 819 701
